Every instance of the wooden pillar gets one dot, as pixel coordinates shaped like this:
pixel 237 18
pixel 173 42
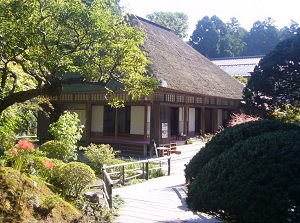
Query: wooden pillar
pixel 215 120
pixel 202 121
pixel 88 121
pixel 145 121
pixel 155 120
pixel 185 120
pixel 116 122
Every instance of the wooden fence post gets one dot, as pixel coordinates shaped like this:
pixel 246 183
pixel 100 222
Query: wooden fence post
pixel 147 170
pixel 169 166
pixel 123 175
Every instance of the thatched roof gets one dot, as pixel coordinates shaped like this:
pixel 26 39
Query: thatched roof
pixel 180 67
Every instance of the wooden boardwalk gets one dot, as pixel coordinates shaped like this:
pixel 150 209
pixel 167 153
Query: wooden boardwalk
pixel 159 200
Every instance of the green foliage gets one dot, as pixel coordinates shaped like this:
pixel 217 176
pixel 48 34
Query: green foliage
pixel 44 43
pixel 276 80
pixel 67 132
pixel 253 177
pixel 58 150
pixel 74 177
pixel 192 140
pixel 262 37
pixel 205 38
pixel 26 198
pixel 97 155
pixel 17 119
pixel 155 170
pixel 287 114
pixel 229 137
pixel 48 204
pixel 175 21
pixel 20 156
pixel 10 124
pixel 43 167
pixel 243 80
pixel 214 38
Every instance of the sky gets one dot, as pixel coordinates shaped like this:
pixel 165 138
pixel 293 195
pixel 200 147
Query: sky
pixel 246 12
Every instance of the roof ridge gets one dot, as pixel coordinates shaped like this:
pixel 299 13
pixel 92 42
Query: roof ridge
pixel 152 23
pixel 236 58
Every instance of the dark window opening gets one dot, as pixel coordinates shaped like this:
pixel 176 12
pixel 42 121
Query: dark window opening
pixel 174 121
pixel 198 121
pixel 109 120
pixel 124 120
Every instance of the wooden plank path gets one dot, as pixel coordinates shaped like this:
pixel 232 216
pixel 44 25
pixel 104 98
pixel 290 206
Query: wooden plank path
pixel 158 200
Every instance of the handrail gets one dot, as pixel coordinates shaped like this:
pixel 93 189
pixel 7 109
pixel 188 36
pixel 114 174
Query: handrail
pixel 108 182
pixel 107 188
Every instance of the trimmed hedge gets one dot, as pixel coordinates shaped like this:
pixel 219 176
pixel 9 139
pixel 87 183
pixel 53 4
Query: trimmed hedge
pixel 255 179
pixel 230 136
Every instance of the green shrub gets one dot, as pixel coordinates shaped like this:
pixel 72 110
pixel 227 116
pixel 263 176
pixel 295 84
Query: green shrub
pixel 253 179
pixel 97 155
pixel 57 150
pixel 155 170
pixel 227 138
pixel 43 167
pixel 68 132
pixel 74 177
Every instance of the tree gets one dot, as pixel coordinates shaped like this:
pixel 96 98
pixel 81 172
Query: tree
pixel 262 37
pixel 213 38
pixel 175 21
pixel 235 36
pixel 206 38
pixel 46 44
pixel 287 32
pixel 276 80
pixel 66 131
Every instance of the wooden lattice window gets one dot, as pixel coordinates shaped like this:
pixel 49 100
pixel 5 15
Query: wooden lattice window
pixel 199 100
pixel 81 97
pixel 180 99
pixel 97 97
pixel 212 101
pixel 225 102
pixel 206 100
pixel 66 97
pixel 170 98
pixel 191 99
pixel 159 97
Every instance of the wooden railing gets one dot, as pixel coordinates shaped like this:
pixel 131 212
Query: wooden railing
pixel 119 173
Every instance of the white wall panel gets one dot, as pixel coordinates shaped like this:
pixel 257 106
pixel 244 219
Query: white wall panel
pixel 192 119
pixel 137 119
pixel 97 118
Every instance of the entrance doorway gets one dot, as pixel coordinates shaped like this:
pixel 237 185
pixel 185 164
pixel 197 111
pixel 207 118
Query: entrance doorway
pixel 174 121
pixel 208 121
pixel 109 121
pixel 198 121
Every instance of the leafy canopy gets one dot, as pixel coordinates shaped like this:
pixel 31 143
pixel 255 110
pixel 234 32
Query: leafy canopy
pixel 45 44
pixel 175 21
pixel 275 82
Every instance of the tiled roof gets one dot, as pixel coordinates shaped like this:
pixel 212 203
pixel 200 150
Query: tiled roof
pixel 237 66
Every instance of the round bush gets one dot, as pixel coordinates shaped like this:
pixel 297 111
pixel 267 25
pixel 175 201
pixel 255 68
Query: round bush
pixel 97 155
pixel 227 138
pixel 255 180
pixel 74 177
pixel 58 150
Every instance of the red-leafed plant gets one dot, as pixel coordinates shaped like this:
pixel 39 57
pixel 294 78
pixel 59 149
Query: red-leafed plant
pixel 240 118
